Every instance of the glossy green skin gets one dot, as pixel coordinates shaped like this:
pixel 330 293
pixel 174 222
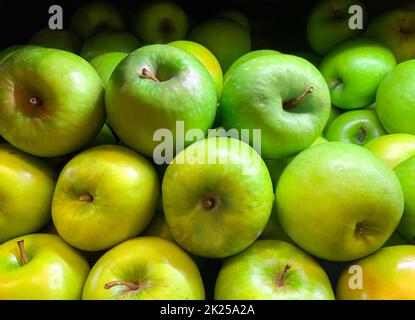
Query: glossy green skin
pixel 355 188
pixel 252 275
pixel 226 39
pixel 57 39
pixel 8 52
pixel 105 42
pixel 21 177
pixel 251 104
pixel 160 22
pixel 324 31
pixel 124 187
pixel 249 56
pixel 105 136
pixel 406 174
pixel 395 101
pixel 386 28
pixel 245 197
pixel 55 270
pixel 97 16
pixel 334 113
pixel 72 112
pixel 106 63
pixel 361 65
pixel 348 127
pixel 165 270
pixel 236 16
pixel 189 95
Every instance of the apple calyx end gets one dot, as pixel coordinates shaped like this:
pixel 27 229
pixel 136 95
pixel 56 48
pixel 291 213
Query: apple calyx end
pixel 210 201
pixel 23 255
pixel 281 277
pixel 361 229
pixel 292 104
pixel 35 101
pixel 86 197
pixel 147 75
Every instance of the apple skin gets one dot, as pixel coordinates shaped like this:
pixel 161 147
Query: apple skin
pixel 388 28
pixel 160 22
pixel 8 52
pixel 106 63
pixel 406 174
pixel 395 240
pixel 357 126
pixel 217 199
pixel 23 176
pixel 358 205
pixel 395 101
pixel 334 113
pixel 226 39
pixel 103 196
pixel 164 270
pixel 236 16
pixel 58 39
pixel 96 16
pixel 325 30
pixel 55 270
pixel 207 58
pixel 109 41
pixel 359 66
pixel 251 104
pixel 273 230
pixel 68 111
pixel 253 275
pixel 388 274
pixel 189 95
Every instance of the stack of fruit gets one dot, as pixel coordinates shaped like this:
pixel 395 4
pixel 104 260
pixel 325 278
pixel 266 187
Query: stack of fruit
pixel 134 162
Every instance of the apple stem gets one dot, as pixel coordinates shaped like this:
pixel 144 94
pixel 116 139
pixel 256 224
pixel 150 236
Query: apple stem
pixel 86 197
pixel 282 275
pixel 146 74
pixel 291 104
pixel 35 101
pixel 129 285
pixel 334 84
pixel 363 134
pixel 23 256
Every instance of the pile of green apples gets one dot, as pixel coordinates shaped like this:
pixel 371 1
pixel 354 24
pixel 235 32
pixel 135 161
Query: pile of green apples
pixel 88 212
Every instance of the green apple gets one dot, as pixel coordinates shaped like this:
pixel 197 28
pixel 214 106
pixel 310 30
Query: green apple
pixel 395 99
pixel 171 85
pixel 291 103
pixel 406 174
pixel 207 58
pixel 58 39
pixel 109 41
pixel 396 29
pixel 357 126
pixel 23 176
pixel 354 70
pixel 224 188
pixel 96 16
pixel 146 268
pixel 106 63
pixel 103 196
pixel 309 56
pixel 160 22
pixel 8 52
pixel 388 274
pixel 328 24
pixel 334 113
pixel 41 267
pixel 236 16
pixel 158 227
pixel 49 113
pixel 104 137
pixel 226 39
pixel 393 148
pixel 273 230
pixel 355 209
pixel 272 270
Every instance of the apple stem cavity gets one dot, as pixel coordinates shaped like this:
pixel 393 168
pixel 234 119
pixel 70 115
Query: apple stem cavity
pixel 282 275
pixel 129 285
pixel 86 197
pixel 210 202
pixel 334 84
pixel 362 134
pixel 147 74
pixel 23 255
pixel 292 104
pixel 35 101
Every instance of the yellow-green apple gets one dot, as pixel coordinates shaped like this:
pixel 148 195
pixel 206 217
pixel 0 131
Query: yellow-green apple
pixel 224 188
pixel 357 206
pixel 354 70
pixel 171 85
pixel 160 22
pixel 273 230
pixel 388 274
pixel 62 39
pixel 334 113
pixel 393 148
pixel 272 270
pixel 23 177
pixel 226 39
pixel 291 103
pixel 8 52
pixel 49 113
pixel 41 267
pixel 236 16
pixel 106 63
pixel 104 196
pixel 146 268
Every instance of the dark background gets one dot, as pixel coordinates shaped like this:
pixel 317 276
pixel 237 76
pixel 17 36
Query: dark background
pixel 275 24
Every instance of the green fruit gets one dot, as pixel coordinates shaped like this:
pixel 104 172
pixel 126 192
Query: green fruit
pixel 334 113
pixel 57 39
pixel 106 63
pixel 338 201
pixel 290 103
pixel 273 230
pixel 236 16
pixel 144 269
pixel 8 52
pixel 272 270
pixel 354 70
pixel 104 195
pixel 104 137
pixel 358 126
